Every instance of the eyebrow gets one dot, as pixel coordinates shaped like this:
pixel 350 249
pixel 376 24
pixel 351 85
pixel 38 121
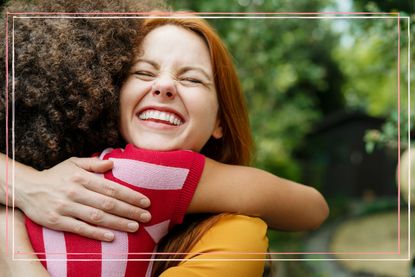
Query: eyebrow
pixel 182 70
pixel 153 64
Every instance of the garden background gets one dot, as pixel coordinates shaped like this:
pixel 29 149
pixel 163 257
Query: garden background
pixel 323 102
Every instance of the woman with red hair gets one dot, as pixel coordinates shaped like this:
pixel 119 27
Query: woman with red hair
pixel 231 145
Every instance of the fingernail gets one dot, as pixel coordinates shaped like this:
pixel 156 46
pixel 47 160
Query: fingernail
pixel 145 217
pixel 144 202
pixel 109 236
pixel 133 226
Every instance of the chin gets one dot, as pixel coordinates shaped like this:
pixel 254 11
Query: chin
pixel 159 146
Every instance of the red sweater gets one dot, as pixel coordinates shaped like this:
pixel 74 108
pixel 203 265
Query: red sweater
pixel 168 179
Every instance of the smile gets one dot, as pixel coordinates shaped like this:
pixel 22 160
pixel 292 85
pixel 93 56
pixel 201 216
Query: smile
pixel 160 116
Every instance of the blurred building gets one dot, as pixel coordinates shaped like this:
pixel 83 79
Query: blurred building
pixel 335 161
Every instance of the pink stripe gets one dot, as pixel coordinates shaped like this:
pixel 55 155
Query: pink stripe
pixel 158 231
pixel 105 152
pixel 55 250
pixel 399 134
pixel 150 176
pixel 7 131
pixel 117 249
pixel 150 265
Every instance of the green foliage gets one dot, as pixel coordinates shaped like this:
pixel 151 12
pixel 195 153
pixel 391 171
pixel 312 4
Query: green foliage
pixel 387 136
pixel 373 55
pixel 369 61
pixel 287 71
pixel 296 71
pixel 370 65
pixel 406 6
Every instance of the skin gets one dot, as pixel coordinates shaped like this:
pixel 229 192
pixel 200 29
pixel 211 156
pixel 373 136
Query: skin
pixel 174 75
pixel 163 82
pixel 22 245
pixel 172 83
pixel 75 197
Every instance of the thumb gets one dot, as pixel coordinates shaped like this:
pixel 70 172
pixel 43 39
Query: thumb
pixel 93 164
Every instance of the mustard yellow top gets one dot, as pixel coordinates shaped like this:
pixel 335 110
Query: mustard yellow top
pixel 235 234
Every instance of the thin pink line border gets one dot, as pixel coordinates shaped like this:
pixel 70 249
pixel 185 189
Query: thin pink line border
pixel 7 132
pixel 205 13
pixel 215 13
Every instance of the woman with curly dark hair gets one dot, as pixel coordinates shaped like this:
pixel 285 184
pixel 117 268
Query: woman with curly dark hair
pixel 185 240
pixel 68 73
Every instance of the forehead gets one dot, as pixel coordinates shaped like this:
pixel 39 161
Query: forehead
pixel 175 42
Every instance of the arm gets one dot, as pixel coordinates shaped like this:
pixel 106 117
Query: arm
pixel 68 196
pixel 17 268
pixel 283 204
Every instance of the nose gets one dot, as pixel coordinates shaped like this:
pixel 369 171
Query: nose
pixel 164 88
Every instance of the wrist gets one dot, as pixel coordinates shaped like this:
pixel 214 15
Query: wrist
pixel 4 182
pixel 25 178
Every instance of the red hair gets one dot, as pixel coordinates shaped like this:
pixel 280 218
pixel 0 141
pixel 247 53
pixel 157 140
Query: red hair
pixel 236 144
pixel 233 148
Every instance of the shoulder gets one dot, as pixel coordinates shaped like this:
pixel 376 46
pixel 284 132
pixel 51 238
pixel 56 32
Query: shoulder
pixel 236 233
pixel 235 246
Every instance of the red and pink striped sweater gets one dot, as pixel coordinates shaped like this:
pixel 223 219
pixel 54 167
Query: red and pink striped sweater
pixel 168 179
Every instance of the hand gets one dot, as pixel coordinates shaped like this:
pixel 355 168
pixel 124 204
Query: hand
pixel 69 197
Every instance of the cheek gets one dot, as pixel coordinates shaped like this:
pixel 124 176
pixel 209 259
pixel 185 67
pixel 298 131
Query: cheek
pixel 205 111
pixel 134 89
pixel 211 110
pixel 127 92
pixel 123 109
pixel 130 95
pixel 201 101
pixel 123 126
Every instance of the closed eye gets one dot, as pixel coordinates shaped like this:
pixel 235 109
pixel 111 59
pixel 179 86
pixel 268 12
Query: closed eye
pixel 192 80
pixel 144 75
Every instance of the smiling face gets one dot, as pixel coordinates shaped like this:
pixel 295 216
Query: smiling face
pixel 169 99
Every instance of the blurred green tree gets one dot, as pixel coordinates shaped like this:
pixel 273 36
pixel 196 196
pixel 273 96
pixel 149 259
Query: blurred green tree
pixel 287 69
pixel 369 58
pixel 381 57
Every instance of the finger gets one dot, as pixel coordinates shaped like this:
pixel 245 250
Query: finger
pixel 97 217
pixel 72 225
pixel 115 190
pixel 93 164
pixel 112 206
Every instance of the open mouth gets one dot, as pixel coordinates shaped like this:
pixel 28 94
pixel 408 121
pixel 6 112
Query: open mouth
pixel 160 117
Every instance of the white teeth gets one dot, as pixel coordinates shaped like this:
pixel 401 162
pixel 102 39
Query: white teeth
pixel 159 115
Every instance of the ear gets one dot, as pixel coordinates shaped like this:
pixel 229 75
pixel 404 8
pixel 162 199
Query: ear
pixel 217 132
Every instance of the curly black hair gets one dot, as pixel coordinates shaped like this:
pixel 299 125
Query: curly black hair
pixel 67 77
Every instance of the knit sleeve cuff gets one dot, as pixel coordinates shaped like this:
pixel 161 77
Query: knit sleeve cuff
pixel 196 167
